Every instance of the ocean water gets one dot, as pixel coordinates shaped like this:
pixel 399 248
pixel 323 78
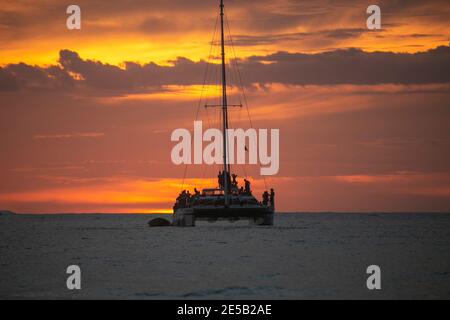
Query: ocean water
pixel 304 256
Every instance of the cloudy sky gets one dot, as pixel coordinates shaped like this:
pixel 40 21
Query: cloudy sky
pixel 86 115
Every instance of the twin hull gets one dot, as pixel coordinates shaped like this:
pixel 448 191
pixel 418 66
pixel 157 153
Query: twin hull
pixel 257 215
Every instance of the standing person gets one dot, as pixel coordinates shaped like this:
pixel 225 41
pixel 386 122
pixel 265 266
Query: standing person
pixel 183 199
pixel 265 198
pixel 248 191
pixel 272 198
pixel 228 177
pixel 188 199
pixel 234 182
pixel 220 179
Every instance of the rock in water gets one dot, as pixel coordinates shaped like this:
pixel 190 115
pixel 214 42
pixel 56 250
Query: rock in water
pixel 159 222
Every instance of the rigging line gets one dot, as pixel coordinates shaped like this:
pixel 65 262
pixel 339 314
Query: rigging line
pixel 233 70
pixel 211 118
pixel 239 73
pixel 213 79
pixel 234 76
pixel 203 87
pixel 239 120
pixel 244 167
pixel 213 72
pixel 211 83
pixel 238 83
pixel 209 126
pixel 184 177
pixel 241 83
pixel 207 67
pixel 216 120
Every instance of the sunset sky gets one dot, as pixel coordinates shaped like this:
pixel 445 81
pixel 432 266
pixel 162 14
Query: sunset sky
pixel 86 115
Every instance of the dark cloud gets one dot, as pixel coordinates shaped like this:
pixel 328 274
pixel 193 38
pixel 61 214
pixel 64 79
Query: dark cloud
pixel 7 81
pixel 134 76
pixel 21 75
pixel 349 66
pixel 352 66
pixel 338 34
pixel 95 74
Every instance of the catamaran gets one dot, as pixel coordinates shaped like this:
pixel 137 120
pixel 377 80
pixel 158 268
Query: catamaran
pixel 226 201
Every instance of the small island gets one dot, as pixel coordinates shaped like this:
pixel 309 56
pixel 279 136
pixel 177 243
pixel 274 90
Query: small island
pixel 6 213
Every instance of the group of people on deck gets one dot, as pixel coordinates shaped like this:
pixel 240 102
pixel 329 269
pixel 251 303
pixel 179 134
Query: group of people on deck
pixel 186 199
pixel 232 184
pixel 269 198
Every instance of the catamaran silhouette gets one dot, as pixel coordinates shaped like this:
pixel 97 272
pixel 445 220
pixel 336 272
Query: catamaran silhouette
pixel 227 201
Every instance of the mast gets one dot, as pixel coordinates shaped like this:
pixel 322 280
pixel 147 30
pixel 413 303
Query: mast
pixel 224 108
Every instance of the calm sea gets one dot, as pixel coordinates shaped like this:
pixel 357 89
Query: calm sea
pixel 304 256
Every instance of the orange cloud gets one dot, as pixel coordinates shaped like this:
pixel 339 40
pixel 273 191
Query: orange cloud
pixel 163 31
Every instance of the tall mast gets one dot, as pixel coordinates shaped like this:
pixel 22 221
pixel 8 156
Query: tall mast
pixel 224 108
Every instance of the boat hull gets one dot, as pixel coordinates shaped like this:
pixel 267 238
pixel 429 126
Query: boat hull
pixel 256 215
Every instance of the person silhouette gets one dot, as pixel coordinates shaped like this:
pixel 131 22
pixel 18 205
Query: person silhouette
pixel 272 198
pixel 234 181
pixel 228 177
pixel 265 198
pixel 247 187
pixel 220 179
